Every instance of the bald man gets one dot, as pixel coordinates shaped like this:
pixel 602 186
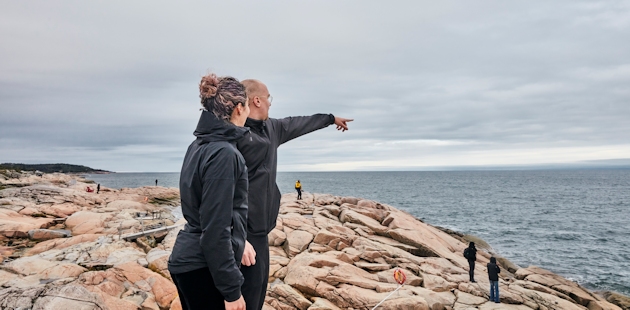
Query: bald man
pixel 260 149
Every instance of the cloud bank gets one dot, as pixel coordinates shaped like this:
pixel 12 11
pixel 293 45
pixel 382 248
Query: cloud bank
pixel 113 85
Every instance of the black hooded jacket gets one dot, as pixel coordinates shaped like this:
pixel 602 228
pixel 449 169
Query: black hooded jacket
pixel 260 150
pixel 493 269
pixel 471 253
pixel 213 187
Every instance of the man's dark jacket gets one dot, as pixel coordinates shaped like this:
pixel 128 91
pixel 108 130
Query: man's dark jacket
pixel 213 188
pixel 470 253
pixel 493 270
pixel 260 150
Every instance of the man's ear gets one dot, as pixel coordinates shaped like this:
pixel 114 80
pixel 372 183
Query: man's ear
pixel 257 101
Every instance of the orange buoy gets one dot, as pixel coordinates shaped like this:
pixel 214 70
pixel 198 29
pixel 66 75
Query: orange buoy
pixel 400 276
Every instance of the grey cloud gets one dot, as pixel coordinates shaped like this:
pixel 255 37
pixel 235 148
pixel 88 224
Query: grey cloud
pixel 115 84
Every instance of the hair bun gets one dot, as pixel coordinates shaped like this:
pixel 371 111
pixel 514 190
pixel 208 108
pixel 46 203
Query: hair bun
pixel 208 86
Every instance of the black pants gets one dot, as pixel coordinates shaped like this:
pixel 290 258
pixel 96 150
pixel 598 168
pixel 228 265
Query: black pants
pixel 197 291
pixel 471 271
pixel 299 190
pixel 254 288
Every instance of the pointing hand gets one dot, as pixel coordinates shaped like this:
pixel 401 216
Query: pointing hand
pixel 342 123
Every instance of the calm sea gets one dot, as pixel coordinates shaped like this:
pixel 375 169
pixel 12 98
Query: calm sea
pixel 573 222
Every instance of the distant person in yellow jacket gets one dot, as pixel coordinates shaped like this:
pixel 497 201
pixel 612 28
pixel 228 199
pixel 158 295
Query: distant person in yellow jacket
pixel 298 188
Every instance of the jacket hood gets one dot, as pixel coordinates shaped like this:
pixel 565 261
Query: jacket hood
pixel 212 129
pixel 493 260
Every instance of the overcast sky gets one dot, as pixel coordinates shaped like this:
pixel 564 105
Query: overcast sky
pixel 114 84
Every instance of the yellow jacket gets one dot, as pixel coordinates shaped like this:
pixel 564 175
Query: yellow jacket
pixel 298 185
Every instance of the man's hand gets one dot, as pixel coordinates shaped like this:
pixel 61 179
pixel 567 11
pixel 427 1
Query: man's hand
pixel 249 255
pixel 342 123
pixel 238 304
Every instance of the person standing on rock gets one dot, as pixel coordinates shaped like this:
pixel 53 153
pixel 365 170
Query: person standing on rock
pixel 155 182
pixel 213 186
pixel 98 188
pixel 493 276
pixel 260 149
pixel 470 253
pixel 298 188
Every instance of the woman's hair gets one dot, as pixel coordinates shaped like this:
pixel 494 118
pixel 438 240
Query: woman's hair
pixel 221 95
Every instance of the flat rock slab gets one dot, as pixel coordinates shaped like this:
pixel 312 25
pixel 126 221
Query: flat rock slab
pixel 47 234
pixel 372 266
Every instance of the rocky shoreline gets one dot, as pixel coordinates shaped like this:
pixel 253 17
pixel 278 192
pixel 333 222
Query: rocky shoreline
pixel 63 247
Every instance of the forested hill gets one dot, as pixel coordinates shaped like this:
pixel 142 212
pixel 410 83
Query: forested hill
pixel 50 168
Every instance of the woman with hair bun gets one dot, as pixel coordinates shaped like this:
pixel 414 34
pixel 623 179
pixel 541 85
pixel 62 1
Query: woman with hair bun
pixel 213 185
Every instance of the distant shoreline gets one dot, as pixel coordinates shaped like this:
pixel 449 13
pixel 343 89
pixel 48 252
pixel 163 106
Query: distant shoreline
pixel 52 168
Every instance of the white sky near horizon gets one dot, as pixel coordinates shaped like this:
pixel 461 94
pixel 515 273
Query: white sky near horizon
pixel 113 84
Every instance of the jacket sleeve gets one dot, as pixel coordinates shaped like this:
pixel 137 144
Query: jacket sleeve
pixel 215 212
pixel 292 127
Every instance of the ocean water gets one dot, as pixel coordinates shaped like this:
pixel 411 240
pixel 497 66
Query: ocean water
pixel 573 222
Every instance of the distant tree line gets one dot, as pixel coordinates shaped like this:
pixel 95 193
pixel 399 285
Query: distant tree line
pixel 50 168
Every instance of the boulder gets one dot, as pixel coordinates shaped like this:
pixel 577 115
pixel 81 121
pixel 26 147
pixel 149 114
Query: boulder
pixel 87 222
pixel 297 241
pixel 363 220
pixel 277 237
pixel 356 297
pixel 137 284
pixel 437 283
pixel 15 225
pixel 157 260
pixel 61 210
pixel 290 296
pixel 43 268
pixel 620 300
pixel 322 304
pixel 67 297
pixel 20 298
pixel 372 266
pixel 61 243
pixel 470 300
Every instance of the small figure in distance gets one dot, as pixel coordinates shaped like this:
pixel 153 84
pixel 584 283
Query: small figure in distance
pixel 493 276
pixel 298 188
pixel 470 253
pixel 155 182
pixel 98 188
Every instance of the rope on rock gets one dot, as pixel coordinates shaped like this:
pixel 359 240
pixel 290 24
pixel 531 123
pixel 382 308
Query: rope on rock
pixel 400 278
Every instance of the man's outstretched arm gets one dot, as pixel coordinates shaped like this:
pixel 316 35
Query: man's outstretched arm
pixel 292 127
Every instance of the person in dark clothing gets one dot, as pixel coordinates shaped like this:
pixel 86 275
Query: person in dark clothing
pixel 98 188
pixel 470 253
pixel 259 148
pixel 298 188
pixel 206 257
pixel 155 182
pixel 493 276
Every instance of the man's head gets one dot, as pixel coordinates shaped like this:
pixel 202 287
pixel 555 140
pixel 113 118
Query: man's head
pixel 259 99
